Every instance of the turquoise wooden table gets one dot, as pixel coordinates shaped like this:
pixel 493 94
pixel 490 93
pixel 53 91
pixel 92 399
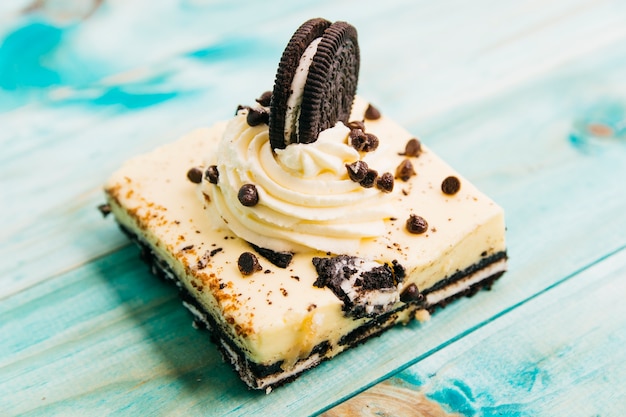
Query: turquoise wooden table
pixel 526 98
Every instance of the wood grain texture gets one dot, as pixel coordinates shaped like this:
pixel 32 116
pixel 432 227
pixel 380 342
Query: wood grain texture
pixel 506 92
pixel 559 353
pixel 389 398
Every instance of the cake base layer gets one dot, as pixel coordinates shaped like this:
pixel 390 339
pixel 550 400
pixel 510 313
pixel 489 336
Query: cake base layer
pixel 479 276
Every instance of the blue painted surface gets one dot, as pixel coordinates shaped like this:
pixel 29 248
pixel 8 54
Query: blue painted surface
pixel 544 358
pixel 525 99
pixel 23 54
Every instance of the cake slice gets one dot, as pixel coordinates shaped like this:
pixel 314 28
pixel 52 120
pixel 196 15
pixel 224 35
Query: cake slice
pixel 293 238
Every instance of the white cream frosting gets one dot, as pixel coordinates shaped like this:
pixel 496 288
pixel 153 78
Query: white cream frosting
pixel 306 198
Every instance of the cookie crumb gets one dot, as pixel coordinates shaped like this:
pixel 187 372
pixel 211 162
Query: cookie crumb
pixel 204 260
pixel 104 209
pixel 280 259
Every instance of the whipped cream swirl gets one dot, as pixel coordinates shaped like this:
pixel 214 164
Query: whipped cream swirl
pixel 306 198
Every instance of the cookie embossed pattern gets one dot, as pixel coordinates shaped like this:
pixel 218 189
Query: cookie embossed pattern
pixel 310 221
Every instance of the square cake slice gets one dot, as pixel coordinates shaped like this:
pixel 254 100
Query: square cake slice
pixel 309 222
pixel 304 306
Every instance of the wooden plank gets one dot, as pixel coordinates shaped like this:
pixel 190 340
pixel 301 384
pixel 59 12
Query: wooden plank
pixel 559 353
pixel 84 328
pixel 128 356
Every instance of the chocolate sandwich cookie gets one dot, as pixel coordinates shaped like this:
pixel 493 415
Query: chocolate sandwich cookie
pixel 315 83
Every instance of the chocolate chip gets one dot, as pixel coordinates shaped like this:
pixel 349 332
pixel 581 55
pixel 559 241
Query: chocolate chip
pixel 372 113
pixel 385 182
pixel 256 117
pixel 212 174
pixel 356 124
pixel 411 293
pixel 357 138
pixel 363 142
pixel 413 148
pixel 248 263
pixel 405 170
pixel 416 224
pixel 370 179
pixel 371 143
pixel 240 107
pixel 451 185
pixel 248 195
pixel 265 99
pixel 195 175
pixel 357 170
